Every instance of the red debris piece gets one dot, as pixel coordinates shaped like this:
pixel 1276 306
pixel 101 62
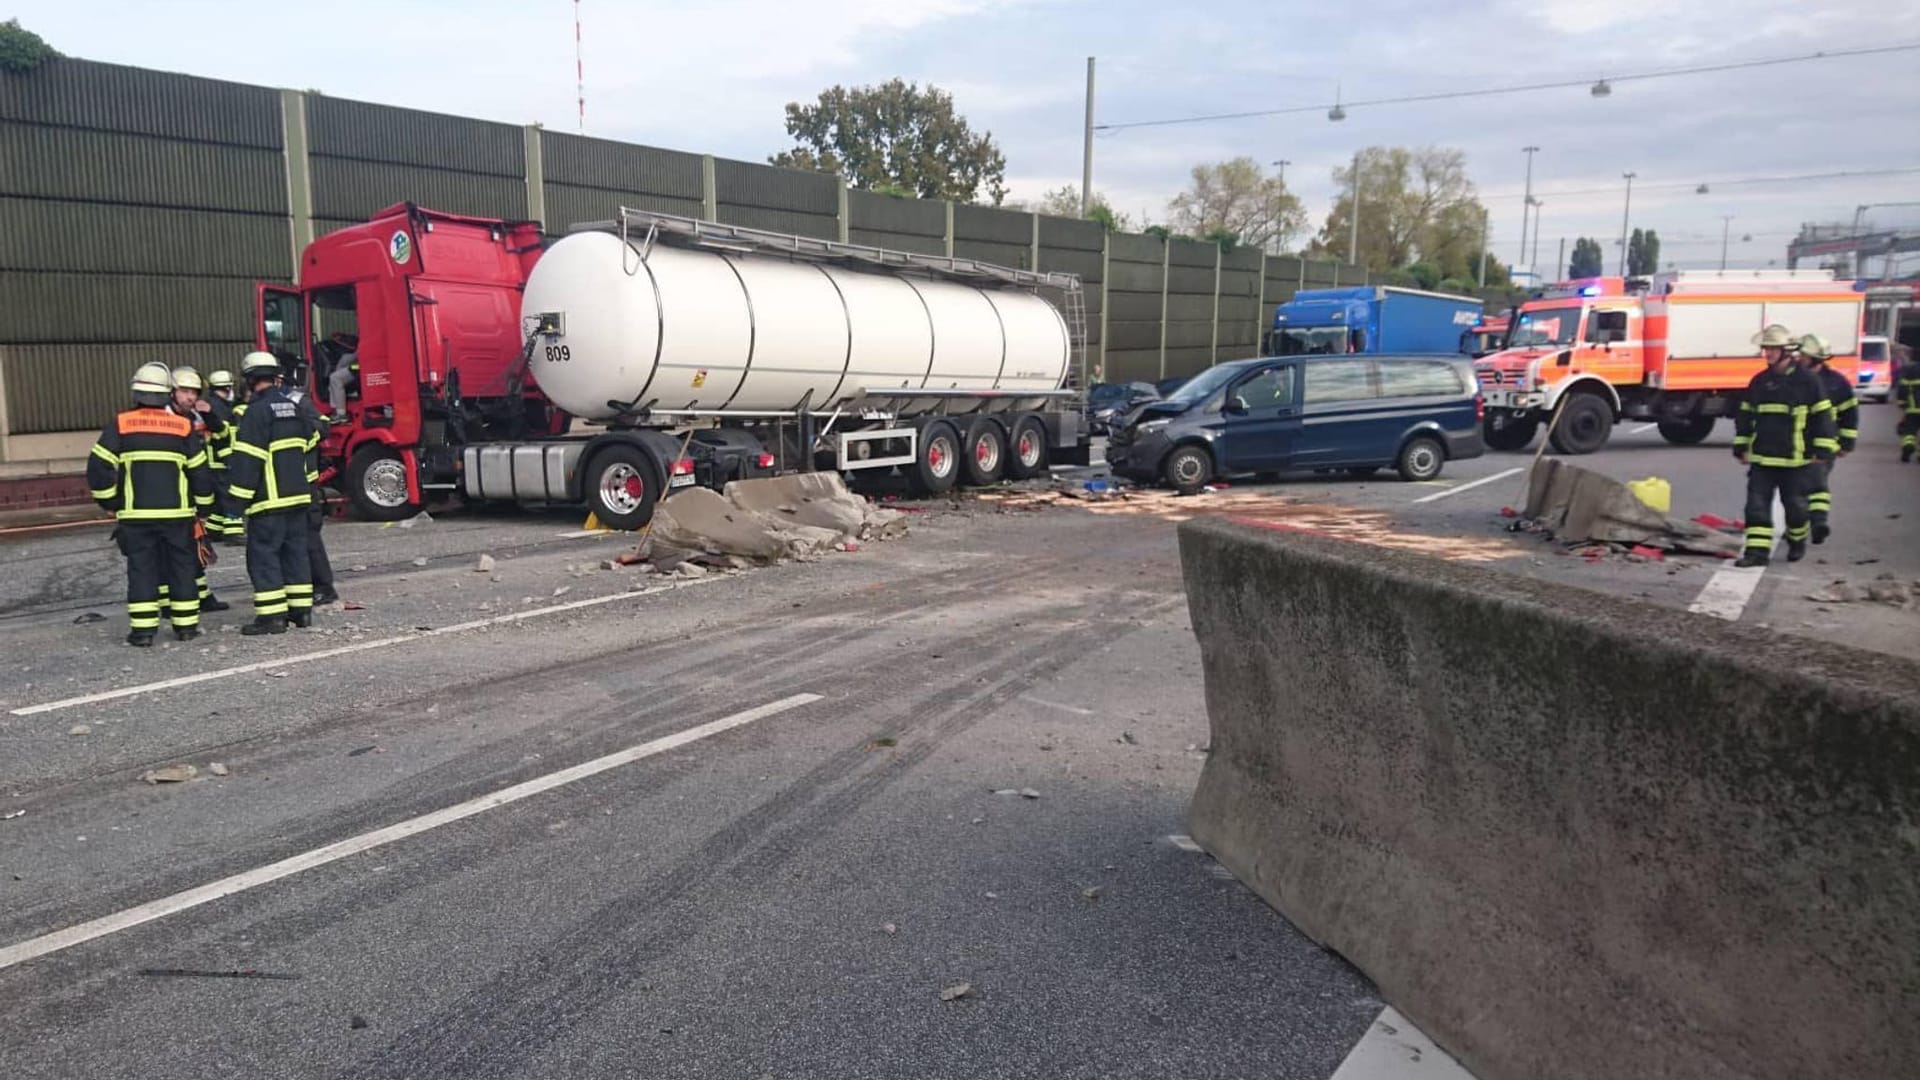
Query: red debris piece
pixel 1651 554
pixel 1509 512
pixel 351 606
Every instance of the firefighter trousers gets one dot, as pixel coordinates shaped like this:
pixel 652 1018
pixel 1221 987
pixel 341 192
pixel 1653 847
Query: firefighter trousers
pixel 277 563
pixel 1819 477
pixel 317 548
pixel 1909 430
pixel 1763 482
pixel 160 560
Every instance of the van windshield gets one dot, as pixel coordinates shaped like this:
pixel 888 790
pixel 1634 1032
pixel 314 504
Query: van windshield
pixel 1203 386
pixel 1546 327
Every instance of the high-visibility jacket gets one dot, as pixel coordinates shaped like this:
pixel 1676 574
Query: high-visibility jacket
pixel 271 451
pixel 1846 407
pixel 1785 420
pixel 150 466
pixel 1906 388
pixel 222 423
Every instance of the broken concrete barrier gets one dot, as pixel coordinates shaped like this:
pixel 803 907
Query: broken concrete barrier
pixel 1569 835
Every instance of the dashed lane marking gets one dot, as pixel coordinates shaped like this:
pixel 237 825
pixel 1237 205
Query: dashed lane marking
pixel 1470 485
pixel 1393 1049
pixel 321 856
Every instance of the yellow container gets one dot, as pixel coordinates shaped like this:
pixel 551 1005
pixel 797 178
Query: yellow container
pixel 1653 491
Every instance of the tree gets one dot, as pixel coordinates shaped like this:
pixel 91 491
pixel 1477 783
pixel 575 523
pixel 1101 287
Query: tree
pixel 895 133
pixel 1234 203
pixel 1414 204
pixel 1643 253
pixel 22 50
pixel 1064 201
pixel 1587 260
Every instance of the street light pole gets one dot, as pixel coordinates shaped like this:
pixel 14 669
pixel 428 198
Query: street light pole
pixel 1626 214
pixel 1537 204
pixel 1086 155
pixel 1281 174
pixel 1526 206
pixel 1726 227
pixel 1353 231
pixel 1485 228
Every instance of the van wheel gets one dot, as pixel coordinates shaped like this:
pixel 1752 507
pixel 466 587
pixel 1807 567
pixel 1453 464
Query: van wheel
pixel 1421 459
pixel 936 464
pixel 1689 432
pixel 1187 469
pixel 376 484
pixel 1516 433
pixel 622 487
pixel 983 456
pixel 1584 425
pixel 1027 454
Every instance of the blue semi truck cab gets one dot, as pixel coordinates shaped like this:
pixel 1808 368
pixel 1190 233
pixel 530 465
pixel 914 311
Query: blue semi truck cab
pixel 1371 319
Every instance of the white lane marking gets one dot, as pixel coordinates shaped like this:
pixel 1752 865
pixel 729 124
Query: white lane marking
pixel 321 856
pixel 1726 593
pixel 1056 705
pixel 359 646
pixel 1644 428
pixel 1469 486
pixel 1393 1049
pixel 1183 842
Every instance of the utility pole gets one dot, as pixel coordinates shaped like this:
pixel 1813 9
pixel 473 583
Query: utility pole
pixel 1526 206
pixel 1485 228
pixel 1560 261
pixel 1086 153
pixel 1726 226
pixel 1537 204
pixel 1626 213
pixel 1353 231
pixel 1281 173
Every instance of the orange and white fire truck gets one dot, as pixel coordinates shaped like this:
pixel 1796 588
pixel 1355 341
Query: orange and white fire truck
pixel 1676 350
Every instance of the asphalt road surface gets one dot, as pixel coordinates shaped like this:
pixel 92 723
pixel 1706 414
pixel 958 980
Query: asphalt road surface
pixel 563 821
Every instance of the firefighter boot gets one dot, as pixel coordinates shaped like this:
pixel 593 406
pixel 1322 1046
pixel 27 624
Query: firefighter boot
pixel 187 633
pixel 1821 530
pixel 140 639
pixel 1796 550
pixel 324 596
pixel 1906 452
pixel 213 603
pixel 265 624
pixel 301 618
pixel 1752 557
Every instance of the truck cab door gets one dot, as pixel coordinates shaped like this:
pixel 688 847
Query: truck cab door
pixel 1261 415
pixel 281 326
pixel 1611 346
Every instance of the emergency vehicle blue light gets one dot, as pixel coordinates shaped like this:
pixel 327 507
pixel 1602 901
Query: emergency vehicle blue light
pixel 1590 290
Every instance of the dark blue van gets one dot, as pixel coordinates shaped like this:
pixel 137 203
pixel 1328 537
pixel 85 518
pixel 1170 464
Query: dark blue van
pixel 1297 413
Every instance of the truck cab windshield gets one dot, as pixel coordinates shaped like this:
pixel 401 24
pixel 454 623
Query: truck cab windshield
pixel 1545 328
pixel 1311 340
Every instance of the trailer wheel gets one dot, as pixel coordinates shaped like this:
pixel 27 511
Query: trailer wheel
pixel 1514 433
pixel 1586 420
pixel 936 464
pixel 622 487
pixel 1027 457
pixel 376 484
pixel 1689 432
pixel 983 456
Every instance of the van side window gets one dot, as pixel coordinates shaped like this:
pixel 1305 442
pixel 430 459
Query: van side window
pixel 1419 378
pixel 1339 380
pixel 1271 389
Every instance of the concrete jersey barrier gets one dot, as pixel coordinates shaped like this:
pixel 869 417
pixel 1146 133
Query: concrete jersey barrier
pixel 1571 836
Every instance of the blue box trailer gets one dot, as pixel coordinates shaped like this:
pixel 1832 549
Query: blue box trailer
pixel 1371 319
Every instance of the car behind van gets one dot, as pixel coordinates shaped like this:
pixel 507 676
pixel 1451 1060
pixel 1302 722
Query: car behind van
pixel 1412 413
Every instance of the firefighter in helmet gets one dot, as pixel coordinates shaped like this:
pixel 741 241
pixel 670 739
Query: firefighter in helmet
pixel 1906 388
pixel 1838 389
pixel 269 473
pixel 150 469
pixel 1784 425
pixel 220 403
pixel 188 388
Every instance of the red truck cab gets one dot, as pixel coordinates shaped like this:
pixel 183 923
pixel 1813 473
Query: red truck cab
pixel 423 308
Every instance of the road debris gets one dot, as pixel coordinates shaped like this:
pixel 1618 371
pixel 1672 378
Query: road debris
pixel 956 992
pixel 1127 737
pixel 9 816
pixel 889 928
pixel 89 617
pixel 277 674
pixel 483 565
pixel 1093 893
pixel 421 518
pixel 1579 506
pixel 351 605
pixel 170 774
pixel 420 561
pixel 190 973
pixel 80 729
pixel 218 768
pixel 362 750
pixel 357 1022
pixel 562 590
pixel 1029 793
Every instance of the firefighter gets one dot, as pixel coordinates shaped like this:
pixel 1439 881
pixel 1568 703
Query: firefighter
pixel 150 470
pixel 212 430
pixel 269 473
pixel 236 511
pixel 1814 355
pixel 1906 387
pixel 1785 424
pixel 322 566
pixel 225 519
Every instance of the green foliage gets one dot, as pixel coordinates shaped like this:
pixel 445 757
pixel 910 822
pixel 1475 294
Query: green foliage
pixel 22 50
pixel 1160 232
pixel 1415 204
pixel 1588 259
pixel 1108 219
pixel 1064 201
pixel 1233 202
pixel 1643 253
pixel 898 135
pixel 1425 274
pixel 1458 286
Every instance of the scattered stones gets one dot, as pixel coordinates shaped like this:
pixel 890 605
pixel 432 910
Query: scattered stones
pixel 1029 793
pixel 889 928
pixel 690 569
pixel 421 518
pixel 562 590
pixel 483 565
pixel 80 729
pixel 1837 593
pixel 1093 893
pixel 357 1022
pixel 421 561
pixel 89 617
pixel 218 768
pixel 956 992
pixel 1127 737
pixel 170 774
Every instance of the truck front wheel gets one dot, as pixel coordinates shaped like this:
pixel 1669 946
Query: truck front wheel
pixel 1689 432
pixel 1513 431
pixel 621 487
pixel 1584 424
pixel 376 484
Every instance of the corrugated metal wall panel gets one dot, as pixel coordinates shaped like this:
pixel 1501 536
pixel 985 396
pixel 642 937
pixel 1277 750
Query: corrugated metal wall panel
pixel 1071 233
pixel 81 387
pixel 766 187
pixel 925 245
pixel 1017 256
pixel 354 190
pixel 991 223
pixel 62 163
pixel 825 227
pixel 338 127
pixel 45 234
pixel 109 97
pixel 579 161
pixel 886 213
pixel 41 308
pixel 568 205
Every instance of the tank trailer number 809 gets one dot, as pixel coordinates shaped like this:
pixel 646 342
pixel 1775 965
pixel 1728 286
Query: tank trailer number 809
pixel 559 354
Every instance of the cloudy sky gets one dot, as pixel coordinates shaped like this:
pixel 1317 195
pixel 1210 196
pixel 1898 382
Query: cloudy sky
pixel 713 76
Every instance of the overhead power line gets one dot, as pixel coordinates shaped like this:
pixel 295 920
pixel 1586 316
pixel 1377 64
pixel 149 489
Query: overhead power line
pixel 1710 184
pixel 1407 99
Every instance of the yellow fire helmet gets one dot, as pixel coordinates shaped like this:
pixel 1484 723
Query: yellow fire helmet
pixel 152 379
pixel 1775 336
pixel 221 379
pixel 187 378
pixel 259 363
pixel 1814 347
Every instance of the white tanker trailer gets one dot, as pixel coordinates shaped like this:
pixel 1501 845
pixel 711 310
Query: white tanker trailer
pixel 458 354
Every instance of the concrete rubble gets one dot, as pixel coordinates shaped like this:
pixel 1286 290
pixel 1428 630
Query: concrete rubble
pixel 764 521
